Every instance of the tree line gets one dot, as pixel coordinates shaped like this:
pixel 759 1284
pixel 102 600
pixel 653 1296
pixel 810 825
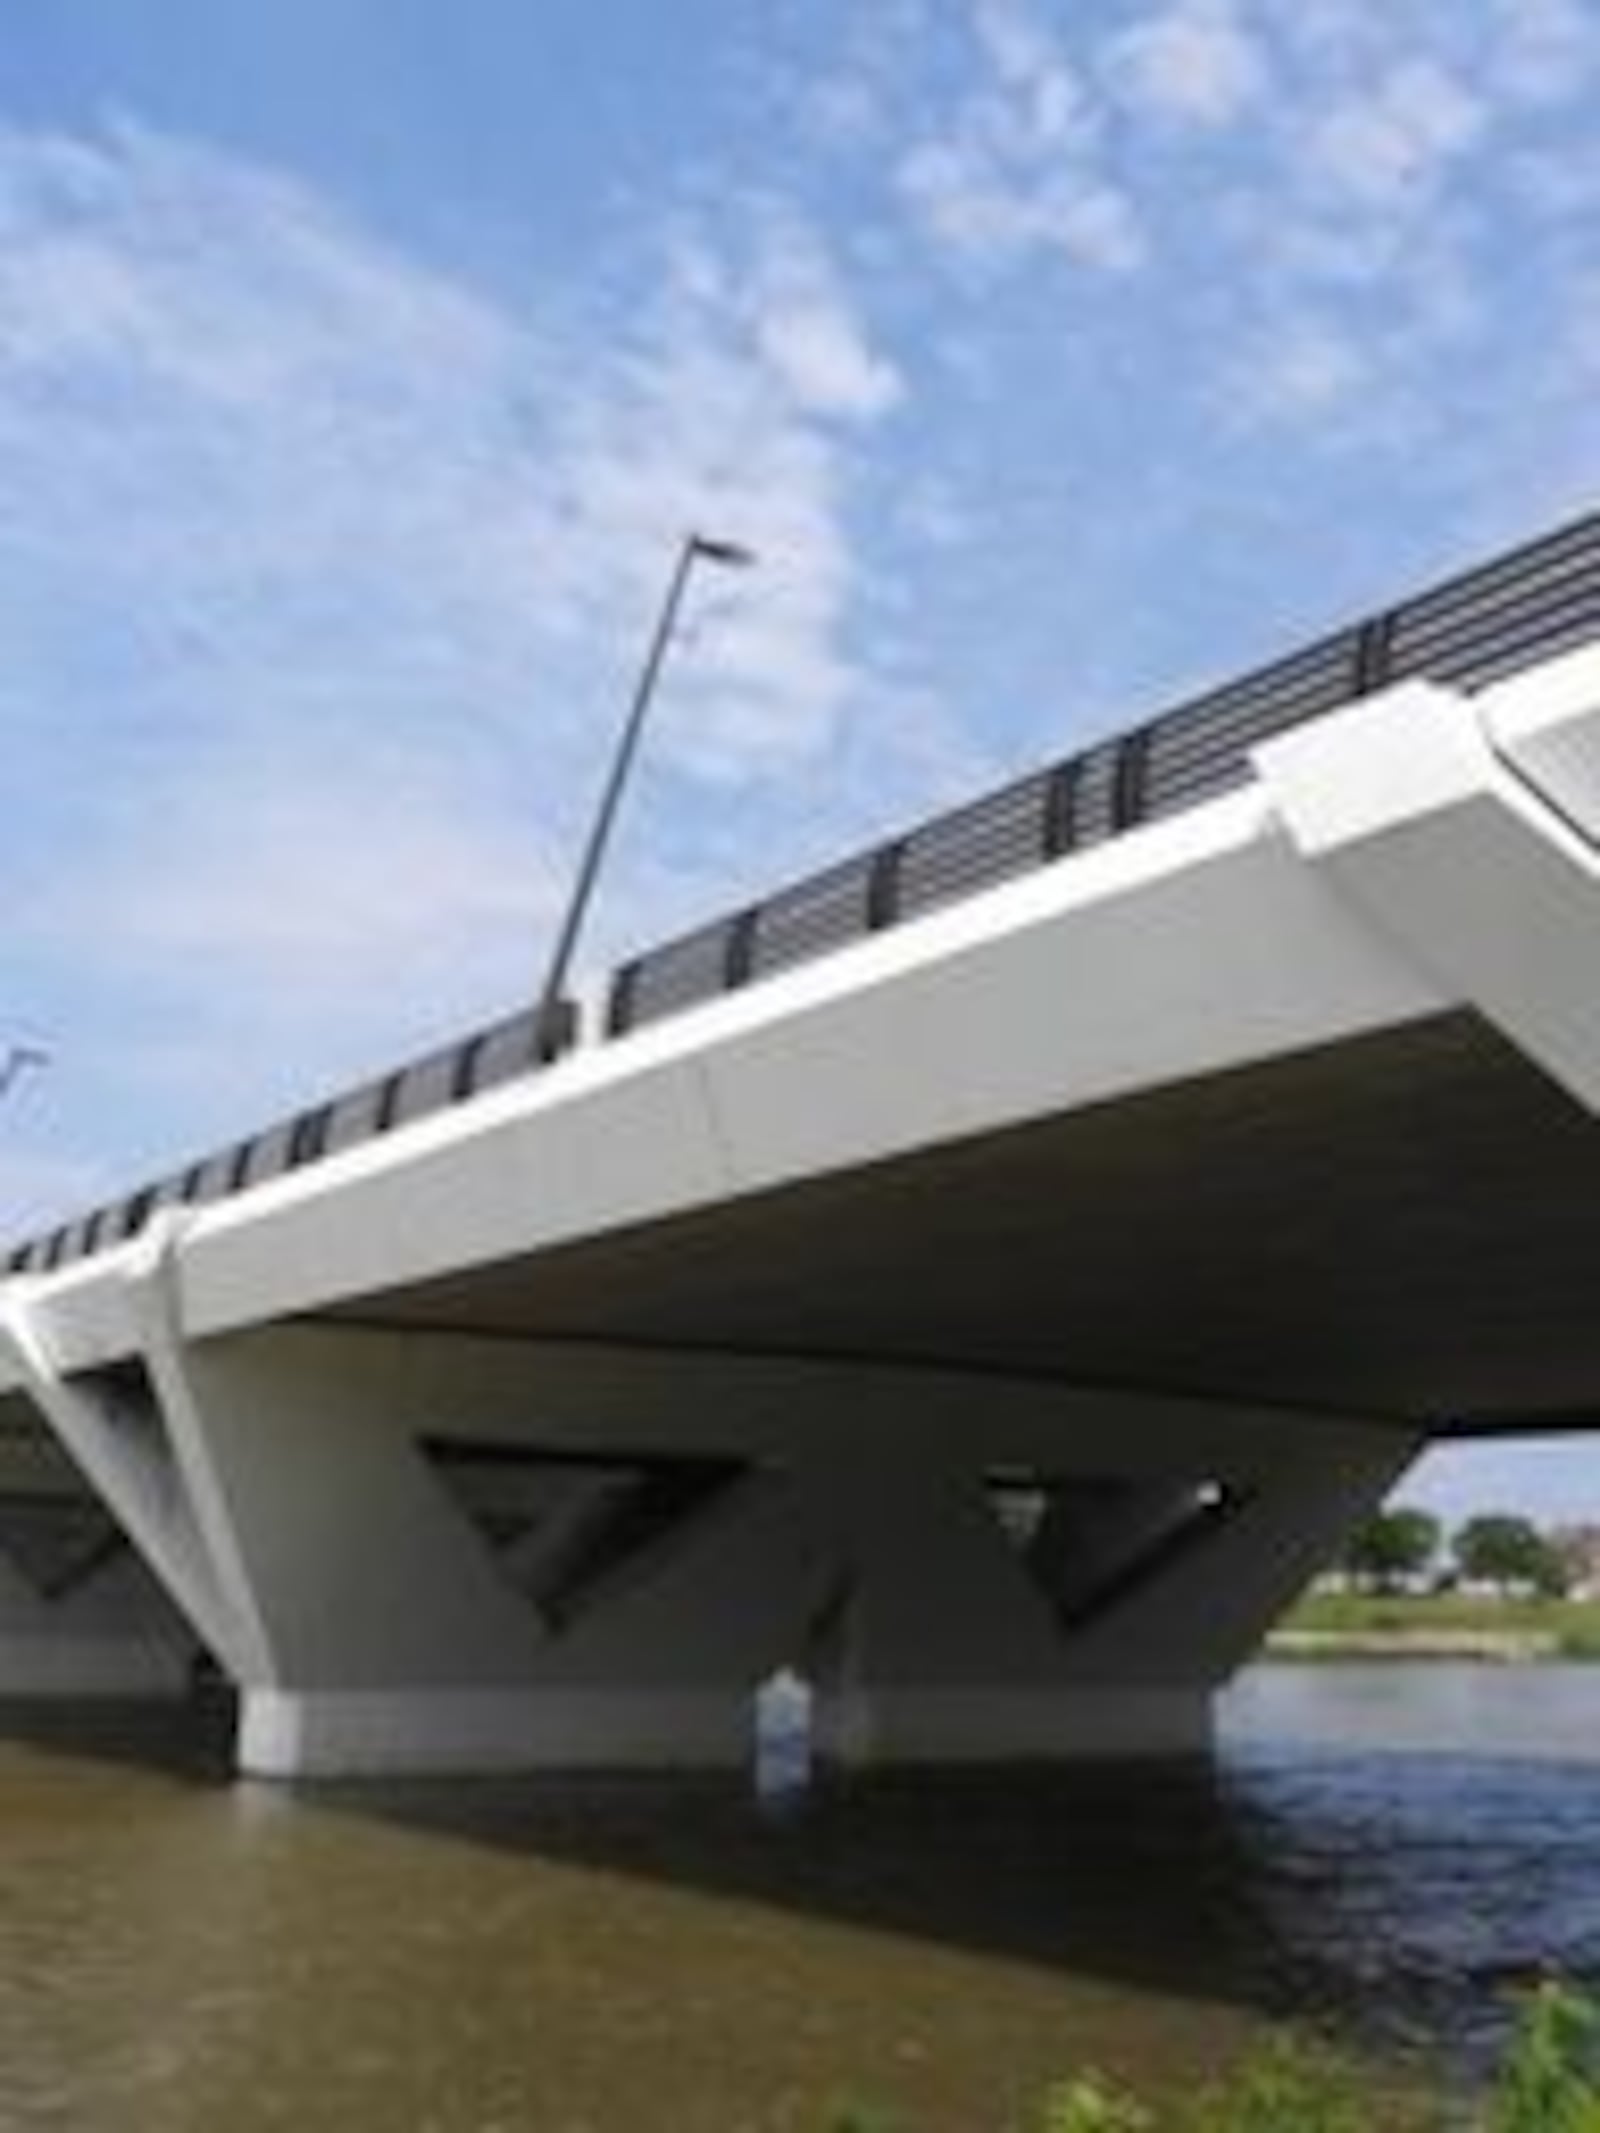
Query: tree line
pixel 1403 1546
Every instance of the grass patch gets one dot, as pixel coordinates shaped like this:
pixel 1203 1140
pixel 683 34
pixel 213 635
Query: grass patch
pixel 1550 2083
pixel 1572 1626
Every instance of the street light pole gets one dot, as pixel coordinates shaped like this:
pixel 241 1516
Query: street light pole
pixel 554 1012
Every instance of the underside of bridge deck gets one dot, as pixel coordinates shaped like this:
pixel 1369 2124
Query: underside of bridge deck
pixel 1405 1225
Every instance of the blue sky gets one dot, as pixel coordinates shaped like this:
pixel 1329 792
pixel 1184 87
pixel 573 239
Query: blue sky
pixel 361 360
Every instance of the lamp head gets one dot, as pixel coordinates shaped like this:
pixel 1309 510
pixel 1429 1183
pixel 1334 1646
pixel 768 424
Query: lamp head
pixel 729 553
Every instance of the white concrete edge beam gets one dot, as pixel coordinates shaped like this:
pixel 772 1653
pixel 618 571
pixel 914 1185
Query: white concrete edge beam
pixel 685 1039
pixel 1545 725
pixel 1412 808
pixel 88 1310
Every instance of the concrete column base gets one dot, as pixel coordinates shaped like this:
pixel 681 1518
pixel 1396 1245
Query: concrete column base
pixel 419 1732
pixel 887 1726
pixel 78 1665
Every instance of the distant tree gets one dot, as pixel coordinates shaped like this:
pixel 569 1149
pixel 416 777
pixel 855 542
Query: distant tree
pixel 1553 1578
pixel 1499 1548
pixel 1579 1550
pixel 1390 1547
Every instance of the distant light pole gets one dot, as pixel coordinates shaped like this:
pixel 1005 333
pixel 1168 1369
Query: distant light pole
pixel 554 1014
pixel 20 1059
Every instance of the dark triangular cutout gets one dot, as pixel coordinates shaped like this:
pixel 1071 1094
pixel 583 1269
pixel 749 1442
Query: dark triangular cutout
pixel 564 1527
pixel 57 1543
pixel 1090 1543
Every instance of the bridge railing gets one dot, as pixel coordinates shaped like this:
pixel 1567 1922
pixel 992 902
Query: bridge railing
pixel 1522 607
pixel 1486 622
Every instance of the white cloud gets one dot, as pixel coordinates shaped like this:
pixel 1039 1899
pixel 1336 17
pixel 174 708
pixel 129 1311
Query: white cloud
pixel 1046 102
pixel 846 95
pixel 1014 170
pixel 306 878
pixel 1192 63
pixel 1397 138
pixel 1546 52
pixel 967 200
pixel 1298 369
pixel 810 336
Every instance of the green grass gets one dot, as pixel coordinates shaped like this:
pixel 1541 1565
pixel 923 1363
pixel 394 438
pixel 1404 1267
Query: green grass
pixel 1573 1625
pixel 1550 2084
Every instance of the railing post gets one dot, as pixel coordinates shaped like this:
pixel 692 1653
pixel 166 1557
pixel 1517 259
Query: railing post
pixel 1128 780
pixel 1059 827
pixel 619 1004
pixel 739 948
pixel 1374 650
pixel 883 886
pixel 464 1070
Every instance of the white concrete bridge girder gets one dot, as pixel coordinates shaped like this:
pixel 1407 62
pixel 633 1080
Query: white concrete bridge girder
pixel 956 1647
pixel 1462 831
pixel 80 1613
pixel 131 1624
pixel 298 1493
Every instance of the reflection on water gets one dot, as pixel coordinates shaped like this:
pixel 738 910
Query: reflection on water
pixel 178 1954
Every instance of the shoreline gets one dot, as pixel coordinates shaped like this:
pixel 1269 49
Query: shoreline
pixel 1496 1647
pixel 1510 1630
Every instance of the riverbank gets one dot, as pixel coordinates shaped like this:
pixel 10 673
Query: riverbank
pixel 1451 1626
pixel 1549 2083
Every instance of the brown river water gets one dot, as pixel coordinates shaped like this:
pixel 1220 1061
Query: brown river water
pixel 1388 1851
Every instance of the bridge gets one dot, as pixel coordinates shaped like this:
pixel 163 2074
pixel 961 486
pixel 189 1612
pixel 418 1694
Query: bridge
pixel 989 1275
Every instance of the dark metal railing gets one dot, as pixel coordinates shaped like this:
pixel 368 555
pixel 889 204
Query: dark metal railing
pixel 1522 607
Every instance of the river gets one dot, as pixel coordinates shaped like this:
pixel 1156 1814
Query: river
pixel 1388 1850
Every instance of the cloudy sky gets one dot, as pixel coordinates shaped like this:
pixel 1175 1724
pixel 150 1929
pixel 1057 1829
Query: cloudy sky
pixel 362 360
